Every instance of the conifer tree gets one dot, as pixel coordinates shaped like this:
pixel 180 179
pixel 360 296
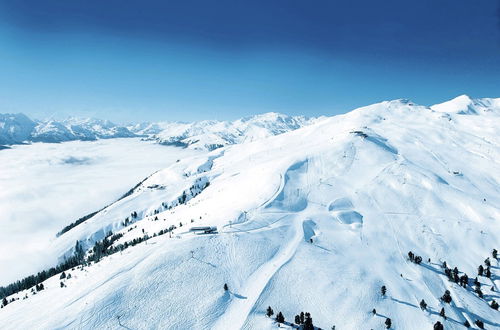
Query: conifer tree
pixel 479 324
pixel 308 322
pixel 226 287
pixel 446 297
pixel 423 305
pixel 302 318
pixel 269 312
pixel 466 324
pixel 442 313
pixel 480 270
pixel 280 318
pixel 494 253
pixel 383 290
pixel 388 323
pixel 479 292
pixel 438 326
pixel 4 301
pixel 494 305
pixel 297 319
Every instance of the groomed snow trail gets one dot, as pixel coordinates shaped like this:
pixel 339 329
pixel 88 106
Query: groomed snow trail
pixel 240 307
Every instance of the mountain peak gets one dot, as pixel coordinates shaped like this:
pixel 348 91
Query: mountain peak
pixel 461 104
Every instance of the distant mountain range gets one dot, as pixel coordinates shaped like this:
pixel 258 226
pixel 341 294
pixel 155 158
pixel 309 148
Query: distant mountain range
pixel 204 135
pixel 212 134
pixel 209 134
pixel 18 128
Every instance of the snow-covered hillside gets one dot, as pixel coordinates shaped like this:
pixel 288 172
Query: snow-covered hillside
pixel 213 134
pixel 314 220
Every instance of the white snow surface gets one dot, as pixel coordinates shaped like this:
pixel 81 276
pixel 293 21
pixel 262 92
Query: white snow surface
pixel 366 187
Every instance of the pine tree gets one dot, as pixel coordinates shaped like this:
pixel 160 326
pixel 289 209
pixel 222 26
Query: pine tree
pixel 423 305
pixel 411 256
pixel 442 313
pixel 383 290
pixel 280 318
pixel 494 305
pixel 446 297
pixel 308 323
pixel 479 292
pixel 225 287
pixel 388 323
pixel 374 311
pixel 487 262
pixel 63 275
pixel 302 318
pixel 480 270
pixel 297 319
pixel 479 324
pixel 494 253
pixel 4 301
pixel 466 324
pixel 438 326
pixel 269 312
pixel 488 272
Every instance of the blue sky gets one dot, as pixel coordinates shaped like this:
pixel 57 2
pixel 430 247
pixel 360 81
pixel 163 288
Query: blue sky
pixel 190 60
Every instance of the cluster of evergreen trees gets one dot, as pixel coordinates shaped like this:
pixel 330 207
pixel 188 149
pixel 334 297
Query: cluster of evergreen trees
pixel 100 249
pixel 36 280
pixel 302 319
pixel 76 223
pixel 414 258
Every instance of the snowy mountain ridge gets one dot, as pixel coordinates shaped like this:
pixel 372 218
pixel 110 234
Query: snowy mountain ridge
pixel 213 134
pixel 317 219
pixel 204 135
pixel 18 128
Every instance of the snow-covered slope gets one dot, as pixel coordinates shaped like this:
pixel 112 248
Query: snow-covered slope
pixel 463 104
pixel 317 219
pixel 213 134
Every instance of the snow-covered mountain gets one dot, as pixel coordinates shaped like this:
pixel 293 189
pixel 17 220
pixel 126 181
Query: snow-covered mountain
pixel 87 129
pixel 203 135
pixel 15 128
pixel 463 104
pixel 18 128
pixel 213 134
pixel 318 220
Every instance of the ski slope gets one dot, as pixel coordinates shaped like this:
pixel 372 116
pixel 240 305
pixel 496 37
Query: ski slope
pixel 316 220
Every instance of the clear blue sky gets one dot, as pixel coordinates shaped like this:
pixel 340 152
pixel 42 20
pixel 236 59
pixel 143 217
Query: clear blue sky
pixel 189 60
